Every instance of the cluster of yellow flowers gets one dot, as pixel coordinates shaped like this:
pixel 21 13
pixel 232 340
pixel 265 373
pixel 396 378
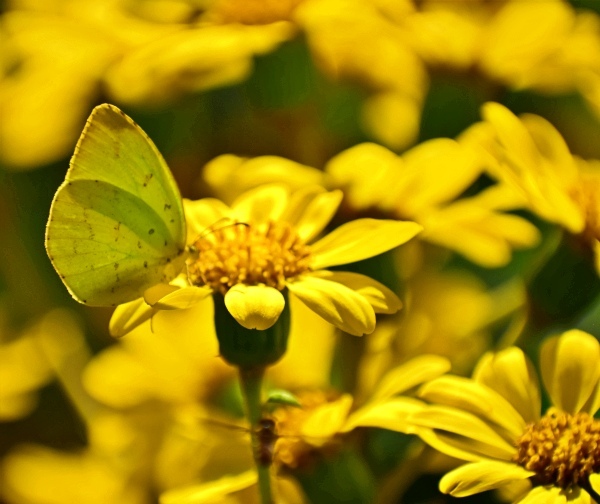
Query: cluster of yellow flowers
pixel 389 239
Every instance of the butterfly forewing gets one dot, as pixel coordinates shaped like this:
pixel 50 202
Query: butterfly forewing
pixel 116 224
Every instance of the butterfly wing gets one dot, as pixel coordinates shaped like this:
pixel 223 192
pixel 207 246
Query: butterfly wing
pixel 116 224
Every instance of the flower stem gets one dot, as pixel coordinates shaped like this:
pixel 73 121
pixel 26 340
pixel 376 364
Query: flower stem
pixel 251 384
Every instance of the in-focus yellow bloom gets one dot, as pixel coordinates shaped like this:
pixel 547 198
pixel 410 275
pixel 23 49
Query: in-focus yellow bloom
pixel 531 156
pixel 270 248
pixel 494 421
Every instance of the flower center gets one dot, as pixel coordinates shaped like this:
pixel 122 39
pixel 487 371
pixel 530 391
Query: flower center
pixel 254 12
pixel 291 449
pixel 250 255
pixel 562 449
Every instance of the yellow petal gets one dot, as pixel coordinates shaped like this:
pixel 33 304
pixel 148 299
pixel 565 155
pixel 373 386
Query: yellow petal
pixel 390 414
pixel 544 495
pixel 595 482
pixel 201 214
pixel 481 476
pixel 410 374
pixel 382 299
pixel 463 424
pixel 441 170
pixel 361 239
pixel 570 366
pixel 210 493
pixel 310 209
pixel 180 299
pixel 457 447
pixel 336 303
pixel 326 420
pixel 128 316
pixel 470 396
pixel 229 175
pixel 511 374
pixel 261 205
pixel 254 306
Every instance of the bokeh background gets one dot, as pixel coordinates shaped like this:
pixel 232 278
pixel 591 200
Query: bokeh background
pixel 299 79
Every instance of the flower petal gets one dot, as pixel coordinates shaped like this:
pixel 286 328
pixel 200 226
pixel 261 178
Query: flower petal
pixel 390 414
pixel 254 306
pixel 595 482
pixel 202 214
pixel 128 316
pixel 310 209
pixel 410 374
pixel 361 239
pixel 181 299
pixel 382 299
pixel 511 374
pixel 463 424
pixel 481 476
pixel 213 492
pixel 326 420
pixel 470 396
pixel 261 205
pixel 336 303
pixel 544 495
pixel 570 366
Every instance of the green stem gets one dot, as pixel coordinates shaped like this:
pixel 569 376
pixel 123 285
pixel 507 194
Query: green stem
pixel 251 384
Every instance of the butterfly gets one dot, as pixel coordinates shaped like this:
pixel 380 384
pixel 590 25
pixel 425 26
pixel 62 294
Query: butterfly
pixel 116 224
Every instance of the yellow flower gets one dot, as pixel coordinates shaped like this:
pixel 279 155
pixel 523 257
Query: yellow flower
pixel 531 156
pixel 494 421
pixel 268 250
pixel 356 40
pixel 23 370
pixel 316 426
pixel 423 185
pixel 58 55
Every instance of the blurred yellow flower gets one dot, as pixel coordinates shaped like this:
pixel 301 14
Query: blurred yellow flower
pixel 23 369
pixel 493 421
pixel 60 55
pixel 424 185
pixel 267 251
pixel 531 156
pixel 450 314
pixel 546 46
pixel 355 40
pixel 324 416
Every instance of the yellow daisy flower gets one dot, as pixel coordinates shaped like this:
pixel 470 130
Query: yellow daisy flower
pixel 531 156
pixel 424 185
pixel 268 252
pixel 494 421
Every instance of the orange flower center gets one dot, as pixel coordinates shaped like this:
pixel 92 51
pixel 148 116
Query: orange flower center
pixel 250 255
pixel 291 449
pixel 562 449
pixel 254 12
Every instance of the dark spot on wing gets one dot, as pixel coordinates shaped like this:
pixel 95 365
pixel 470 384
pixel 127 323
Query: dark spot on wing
pixel 139 244
pixel 147 179
pixel 167 206
pixel 145 264
pixel 165 243
pixel 118 226
pixel 116 265
pixel 172 220
pixel 151 231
